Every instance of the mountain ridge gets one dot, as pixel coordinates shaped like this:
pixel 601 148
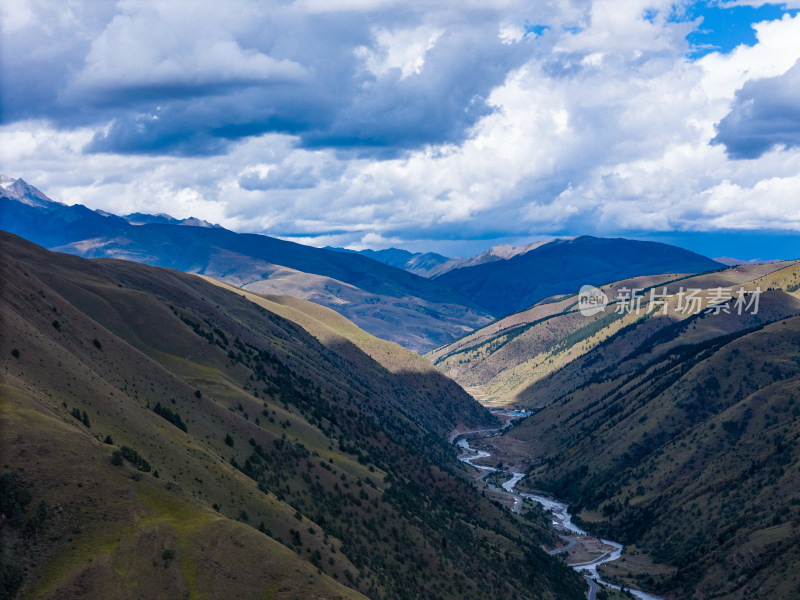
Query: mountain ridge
pixel 422 313
pixel 563 266
pixel 432 313
pixel 431 265
pixel 502 362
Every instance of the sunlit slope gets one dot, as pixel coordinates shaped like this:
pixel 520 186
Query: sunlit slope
pixel 505 362
pixel 324 469
pixel 417 323
pixel 105 534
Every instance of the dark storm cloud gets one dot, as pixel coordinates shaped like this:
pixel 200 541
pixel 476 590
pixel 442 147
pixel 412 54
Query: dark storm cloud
pixel 201 125
pixel 38 58
pixel 166 83
pixel 437 105
pixel 765 114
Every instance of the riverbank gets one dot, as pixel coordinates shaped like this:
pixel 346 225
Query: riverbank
pixel 588 552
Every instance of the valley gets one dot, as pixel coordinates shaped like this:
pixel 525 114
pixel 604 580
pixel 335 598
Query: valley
pixel 256 417
pixel 399 300
pixel 675 436
pixel 590 553
pixel 222 445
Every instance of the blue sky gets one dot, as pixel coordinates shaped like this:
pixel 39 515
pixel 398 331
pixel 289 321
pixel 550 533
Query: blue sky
pixel 424 125
pixel 726 26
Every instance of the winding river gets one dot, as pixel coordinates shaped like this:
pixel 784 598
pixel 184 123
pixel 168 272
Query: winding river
pixel 562 520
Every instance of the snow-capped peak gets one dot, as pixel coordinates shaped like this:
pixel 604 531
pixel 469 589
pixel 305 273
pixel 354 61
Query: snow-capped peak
pixel 21 191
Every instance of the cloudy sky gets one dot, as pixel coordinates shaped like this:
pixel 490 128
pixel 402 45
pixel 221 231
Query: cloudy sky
pixel 426 125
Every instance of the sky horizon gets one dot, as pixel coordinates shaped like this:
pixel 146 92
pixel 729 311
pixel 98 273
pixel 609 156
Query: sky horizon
pixel 421 125
pixel 742 245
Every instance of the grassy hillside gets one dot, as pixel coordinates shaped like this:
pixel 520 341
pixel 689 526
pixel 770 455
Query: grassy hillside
pixel 377 296
pixel 167 437
pixel 527 357
pixel 91 529
pixel 679 437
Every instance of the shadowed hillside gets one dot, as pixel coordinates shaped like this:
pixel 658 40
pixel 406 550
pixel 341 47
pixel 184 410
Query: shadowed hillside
pixel 563 266
pixel 163 435
pixel 424 390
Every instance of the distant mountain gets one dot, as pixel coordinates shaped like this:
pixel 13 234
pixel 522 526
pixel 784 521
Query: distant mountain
pixel 163 219
pixel 727 260
pixel 23 192
pixel 378 290
pixel 424 264
pixel 416 262
pixel 390 302
pixel 430 264
pixel 164 436
pixel 562 266
pixel 500 252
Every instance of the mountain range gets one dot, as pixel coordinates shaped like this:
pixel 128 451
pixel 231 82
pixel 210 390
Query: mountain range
pixel 507 361
pixel 506 278
pixel 563 266
pixel 371 294
pixel 431 264
pixel 185 423
pixel 378 291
